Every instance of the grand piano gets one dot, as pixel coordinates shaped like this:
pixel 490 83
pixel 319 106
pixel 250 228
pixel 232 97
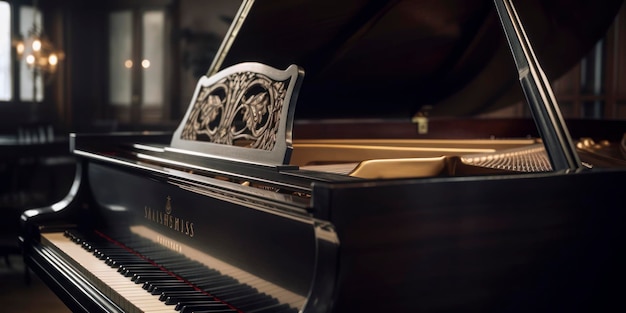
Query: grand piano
pixel 311 173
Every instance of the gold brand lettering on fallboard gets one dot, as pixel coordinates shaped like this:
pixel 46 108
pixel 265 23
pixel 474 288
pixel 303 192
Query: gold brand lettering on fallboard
pixel 165 218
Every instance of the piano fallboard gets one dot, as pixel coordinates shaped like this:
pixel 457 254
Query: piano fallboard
pixel 176 213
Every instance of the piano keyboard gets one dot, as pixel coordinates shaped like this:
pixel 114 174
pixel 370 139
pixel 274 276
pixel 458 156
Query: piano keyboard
pixel 140 276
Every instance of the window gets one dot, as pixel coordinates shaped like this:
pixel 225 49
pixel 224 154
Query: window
pixel 28 16
pixel 153 60
pixel 137 48
pixel 120 58
pixel 25 19
pixel 6 85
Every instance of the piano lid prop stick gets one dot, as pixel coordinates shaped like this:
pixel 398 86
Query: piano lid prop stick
pixel 536 87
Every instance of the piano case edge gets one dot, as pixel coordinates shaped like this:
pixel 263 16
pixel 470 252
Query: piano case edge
pixel 76 292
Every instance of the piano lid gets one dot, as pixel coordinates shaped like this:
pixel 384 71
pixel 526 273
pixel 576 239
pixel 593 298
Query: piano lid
pixel 381 59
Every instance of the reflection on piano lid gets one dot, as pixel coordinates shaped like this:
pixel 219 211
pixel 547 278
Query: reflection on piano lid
pixel 393 224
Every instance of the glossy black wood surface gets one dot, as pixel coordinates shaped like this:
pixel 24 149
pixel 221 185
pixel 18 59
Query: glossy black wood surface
pixel 390 59
pixel 524 242
pixel 538 242
pixel 527 243
pixel 254 236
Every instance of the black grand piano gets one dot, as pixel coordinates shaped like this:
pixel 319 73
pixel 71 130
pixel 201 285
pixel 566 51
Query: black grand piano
pixel 296 182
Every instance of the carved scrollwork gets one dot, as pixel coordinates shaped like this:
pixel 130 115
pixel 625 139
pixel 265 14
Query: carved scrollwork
pixel 243 113
pixel 242 109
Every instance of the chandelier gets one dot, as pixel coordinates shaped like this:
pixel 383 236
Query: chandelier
pixel 36 50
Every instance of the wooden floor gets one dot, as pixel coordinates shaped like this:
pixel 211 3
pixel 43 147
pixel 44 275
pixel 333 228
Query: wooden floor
pixel 17 296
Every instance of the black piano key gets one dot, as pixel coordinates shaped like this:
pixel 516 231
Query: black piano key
pixel 103 253
pixel 173 296
pixel 175 262
pixel 130 272
pixel 125 256
pixel 191 271
pixel 146 278
pixel 201 278
pixel 278 308
pixel 216 280
pixel 87 246
pixel 212 280
pixel 181 305
pixel 178 281
pixel 209 287
pixel 150 287
pixel 214 311
pixel 261 304
pixel 157 290
pixel 234 292
pixel 194 271
pixel 156 278
pixel 121 261
pixel 151 284
pixel 253 301
pixel 221 291
pixel 189 298
pixel 206 308
pixel 139 268
pixel 73 236
pixel 271 306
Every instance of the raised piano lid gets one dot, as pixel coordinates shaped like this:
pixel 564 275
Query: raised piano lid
pixel 390 59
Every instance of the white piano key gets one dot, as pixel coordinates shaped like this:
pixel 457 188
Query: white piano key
pixel 262 285
pixel 124 292
pixel 132 297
